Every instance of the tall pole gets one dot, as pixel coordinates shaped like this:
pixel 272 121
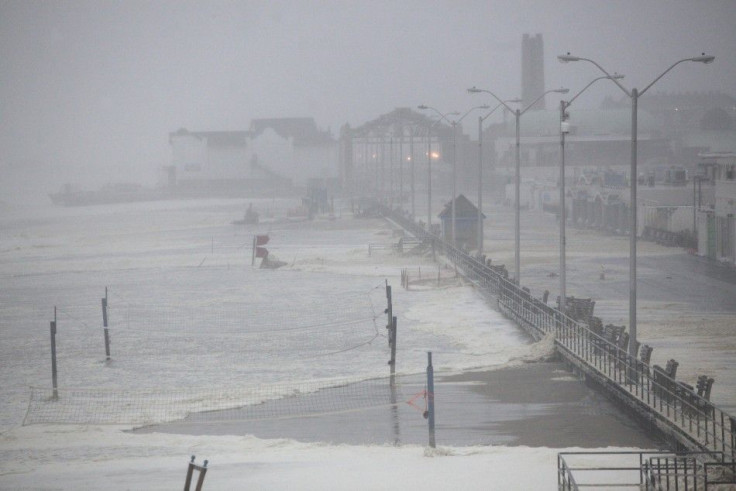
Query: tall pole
pixel 633 226
pixel 517 114
pixel 634 95
pixel 517 204
pixel 479 242
pixel 401 169
pixel 563 211
pixel 480 171
pixel 454 154
pixel 454 178
pixel 411 153
pixel 429 179
pixel 391 171
pixel 374 156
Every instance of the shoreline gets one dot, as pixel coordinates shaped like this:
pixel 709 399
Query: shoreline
pixel 539 404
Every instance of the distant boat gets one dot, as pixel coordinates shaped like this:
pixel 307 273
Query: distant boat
pixel 122 192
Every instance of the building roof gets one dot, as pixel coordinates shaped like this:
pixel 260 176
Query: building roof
pixel 302 131
pixel 394 124
pixel 463 208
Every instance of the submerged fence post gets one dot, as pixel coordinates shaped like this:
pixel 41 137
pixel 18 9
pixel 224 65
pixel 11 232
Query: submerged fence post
pixel 430 399
pixel 53 357
pixel 104 325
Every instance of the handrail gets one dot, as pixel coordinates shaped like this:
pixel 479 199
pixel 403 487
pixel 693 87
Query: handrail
pixel 695 419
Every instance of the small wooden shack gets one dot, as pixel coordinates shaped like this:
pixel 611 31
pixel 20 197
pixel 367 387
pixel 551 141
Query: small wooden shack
pixel 466 222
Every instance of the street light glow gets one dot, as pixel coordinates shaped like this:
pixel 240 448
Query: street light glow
pixel 454 124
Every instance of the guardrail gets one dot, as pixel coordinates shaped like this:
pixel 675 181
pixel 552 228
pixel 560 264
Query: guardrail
pixel 635 470
pixel 674 408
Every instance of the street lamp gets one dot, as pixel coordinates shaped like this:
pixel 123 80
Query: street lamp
pixel 517 115
pixel 480 173
pixel 634 95
pixel 454 124
pixel 429 164
pixel 564 129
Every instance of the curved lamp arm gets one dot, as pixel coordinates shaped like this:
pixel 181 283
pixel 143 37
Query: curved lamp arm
pixel 613 77
pixel 474 90
pixel 484 106
pixel 442 116
pixel 703 58
pixel 699 59
pixel 559 91
pixel 483 118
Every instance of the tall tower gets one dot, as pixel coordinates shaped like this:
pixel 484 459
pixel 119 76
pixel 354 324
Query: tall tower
pixel 532 70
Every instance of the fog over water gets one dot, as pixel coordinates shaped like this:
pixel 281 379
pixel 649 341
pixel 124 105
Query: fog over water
pixel 90 90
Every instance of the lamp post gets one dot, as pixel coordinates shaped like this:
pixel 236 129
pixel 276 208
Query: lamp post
pixel 634 95
pixel 564 129
pixel 480 173
pixel 429 167
pixel 454 124
pixel 517 114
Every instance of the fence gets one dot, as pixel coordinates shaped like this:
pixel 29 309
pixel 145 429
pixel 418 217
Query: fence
pixel 201 406
pixel 165 361
pixel 672 407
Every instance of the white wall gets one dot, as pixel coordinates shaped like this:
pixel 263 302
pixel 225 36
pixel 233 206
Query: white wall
pixel 273 152
pixel 189 156
pixel 227 162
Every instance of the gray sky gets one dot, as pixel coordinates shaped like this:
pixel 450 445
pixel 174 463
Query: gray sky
pixel 95 87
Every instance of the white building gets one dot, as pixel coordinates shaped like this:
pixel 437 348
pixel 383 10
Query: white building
pixel 294 148
pixel 271 155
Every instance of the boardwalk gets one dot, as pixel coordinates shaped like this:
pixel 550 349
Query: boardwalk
pixel 686 418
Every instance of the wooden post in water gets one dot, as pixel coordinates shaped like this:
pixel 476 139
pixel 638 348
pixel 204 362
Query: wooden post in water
pixel 430 399
pixel 393 351
pixel 104 325
pixel 53 357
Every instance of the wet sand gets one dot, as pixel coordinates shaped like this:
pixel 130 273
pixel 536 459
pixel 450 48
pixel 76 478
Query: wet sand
pixel 537 404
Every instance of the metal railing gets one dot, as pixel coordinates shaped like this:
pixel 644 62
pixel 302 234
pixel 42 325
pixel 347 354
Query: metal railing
pixel 638 470
pixel 694 420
